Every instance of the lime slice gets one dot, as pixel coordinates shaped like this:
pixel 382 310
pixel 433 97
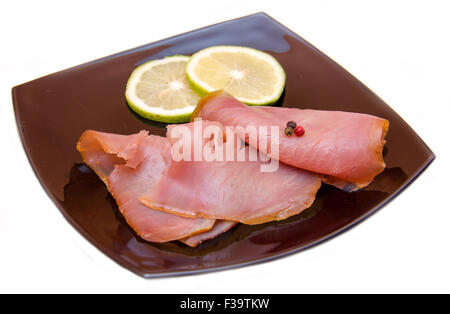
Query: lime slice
pixel 158 90
pixel 252 76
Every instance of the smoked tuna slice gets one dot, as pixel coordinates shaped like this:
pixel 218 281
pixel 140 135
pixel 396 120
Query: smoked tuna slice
pixel 130 165
pixel 220 227
pixel 102 151
pixel 346 148
pixel 233 190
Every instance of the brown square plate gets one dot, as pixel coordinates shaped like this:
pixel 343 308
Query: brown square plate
pixel 53 111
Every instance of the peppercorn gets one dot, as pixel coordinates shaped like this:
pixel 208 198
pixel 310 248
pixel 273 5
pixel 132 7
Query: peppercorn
pixel 289 131
pixel 299 131
pixel 291 124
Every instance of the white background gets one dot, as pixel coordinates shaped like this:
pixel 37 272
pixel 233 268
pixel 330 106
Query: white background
pixel 399 49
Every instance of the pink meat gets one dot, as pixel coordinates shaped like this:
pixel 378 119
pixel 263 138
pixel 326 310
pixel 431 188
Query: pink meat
pixel 346 148
pixel 233 190
pixel 129 166
pixel 220 227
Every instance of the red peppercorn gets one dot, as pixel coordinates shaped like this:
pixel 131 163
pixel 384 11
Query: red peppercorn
pixel 299 131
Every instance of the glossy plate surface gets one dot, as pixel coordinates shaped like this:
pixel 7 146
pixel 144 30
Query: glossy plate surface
pixel 54 110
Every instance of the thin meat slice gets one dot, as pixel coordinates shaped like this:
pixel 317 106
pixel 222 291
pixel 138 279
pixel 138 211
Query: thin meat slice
pixel 102 151
pixel 346 148
pixel 232 190
pixel 221 226
pixel 130 165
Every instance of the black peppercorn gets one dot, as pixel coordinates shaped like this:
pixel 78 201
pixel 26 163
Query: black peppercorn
pixel 291 124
